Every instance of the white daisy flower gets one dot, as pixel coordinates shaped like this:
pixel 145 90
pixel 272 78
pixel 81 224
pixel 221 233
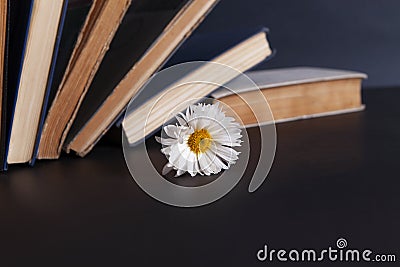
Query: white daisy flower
pixel 202 141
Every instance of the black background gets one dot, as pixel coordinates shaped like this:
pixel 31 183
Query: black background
pixel 361 35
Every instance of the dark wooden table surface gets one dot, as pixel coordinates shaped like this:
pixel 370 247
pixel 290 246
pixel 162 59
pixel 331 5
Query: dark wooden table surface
pixel 332 177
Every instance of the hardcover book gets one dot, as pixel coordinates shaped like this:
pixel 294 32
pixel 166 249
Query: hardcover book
pixel 292 94
pixel 148 36
pixel 18 17
pixel 241 55
pixel 39 57
pixel 93 42
pixel 74 18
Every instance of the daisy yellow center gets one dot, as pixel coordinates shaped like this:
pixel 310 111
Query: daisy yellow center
pixel 199 141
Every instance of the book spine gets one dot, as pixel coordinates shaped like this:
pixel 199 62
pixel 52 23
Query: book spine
pixel 4 85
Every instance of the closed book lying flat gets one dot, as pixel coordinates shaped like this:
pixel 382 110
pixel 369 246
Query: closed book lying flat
pixel 144 119
pixel 148 36
pixel 292 93
pixel 38 61
pixel 93 42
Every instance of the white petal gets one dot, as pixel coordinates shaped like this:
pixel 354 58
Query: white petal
pixel 166 150
pixel 181 121
pixel 171 131
pixel 166 141
pixel 188 113
pixel 226 153
pixel 226 140
pixel 204 162
pixel 158 139
pixel 179 172
pixel 217 164
pixel 167 168
pixel 175 155
pixel 191 164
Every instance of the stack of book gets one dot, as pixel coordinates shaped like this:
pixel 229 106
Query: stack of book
pixel 70 68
